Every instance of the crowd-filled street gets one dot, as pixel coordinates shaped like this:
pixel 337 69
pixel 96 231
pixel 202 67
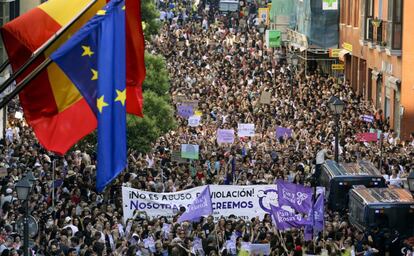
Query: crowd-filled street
pixel 222 67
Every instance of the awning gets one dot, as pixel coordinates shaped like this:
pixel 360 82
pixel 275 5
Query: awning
pixel 342 54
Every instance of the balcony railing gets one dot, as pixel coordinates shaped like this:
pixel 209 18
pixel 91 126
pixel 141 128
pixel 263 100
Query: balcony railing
pixel 376 31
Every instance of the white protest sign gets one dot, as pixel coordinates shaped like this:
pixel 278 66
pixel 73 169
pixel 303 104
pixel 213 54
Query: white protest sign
pixel 194 121
pixel 245 130
pixel 225 136
pixel 245 202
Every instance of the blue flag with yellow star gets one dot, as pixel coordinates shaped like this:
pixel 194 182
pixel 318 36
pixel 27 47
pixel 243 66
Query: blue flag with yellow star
pixel 94 59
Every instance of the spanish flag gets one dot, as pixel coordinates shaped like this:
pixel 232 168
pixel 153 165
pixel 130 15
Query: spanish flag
pixel 52 105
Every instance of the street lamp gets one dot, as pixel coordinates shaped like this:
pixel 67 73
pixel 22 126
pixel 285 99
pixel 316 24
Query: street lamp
pixel 337 107
pixel 410 180
pixel 30 177
pixel 23 188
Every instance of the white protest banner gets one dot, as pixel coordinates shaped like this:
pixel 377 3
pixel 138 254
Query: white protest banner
pixel 245 130
pixel 225 136
pixel 260 249
pixel 244 202
pixel 194 121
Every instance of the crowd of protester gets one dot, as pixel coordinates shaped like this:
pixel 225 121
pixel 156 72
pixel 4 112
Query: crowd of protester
pixel 223 65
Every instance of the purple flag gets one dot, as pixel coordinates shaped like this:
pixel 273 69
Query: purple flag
pixel 282 131
pixel 319 213
pixel 185 110
pixel 308 233
pixel 284 219
pixel 317 221
pixel 201 206
pixel 296 196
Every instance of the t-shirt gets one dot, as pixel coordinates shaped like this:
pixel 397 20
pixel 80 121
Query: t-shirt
pixel 320 156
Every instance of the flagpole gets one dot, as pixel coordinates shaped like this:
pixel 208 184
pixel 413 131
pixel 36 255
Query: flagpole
pixel 4 65
pixel 20 86
pixel 35 55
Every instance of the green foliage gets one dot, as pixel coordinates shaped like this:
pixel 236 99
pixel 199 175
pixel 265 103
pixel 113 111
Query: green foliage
pixel 157 75
pixel 158 119
pixel 141 133
pixel 150 15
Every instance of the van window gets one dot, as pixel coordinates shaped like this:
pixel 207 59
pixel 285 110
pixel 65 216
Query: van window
pixel 356 209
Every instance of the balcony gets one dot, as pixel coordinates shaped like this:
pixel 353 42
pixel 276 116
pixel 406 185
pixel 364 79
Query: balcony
pixel 375 34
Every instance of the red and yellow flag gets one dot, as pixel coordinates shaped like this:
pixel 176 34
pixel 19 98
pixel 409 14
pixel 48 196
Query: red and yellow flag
pixel 52 104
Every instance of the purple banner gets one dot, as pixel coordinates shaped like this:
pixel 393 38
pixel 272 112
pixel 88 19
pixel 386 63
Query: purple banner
pixel 282 131
pixel 185 110
pixel 200 207
pixel 367 118
pixel 225 136
pixel 296 196
pixel 319 213
pixel 284 219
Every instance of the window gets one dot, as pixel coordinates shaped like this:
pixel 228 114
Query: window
pixel 369 16
pixel 395 9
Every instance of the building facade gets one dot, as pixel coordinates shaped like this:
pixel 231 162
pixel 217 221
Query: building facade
pixel 376 37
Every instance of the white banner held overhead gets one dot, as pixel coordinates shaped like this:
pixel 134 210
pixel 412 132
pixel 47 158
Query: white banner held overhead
pixel 328 5
pixel 242 201
pixel 245 130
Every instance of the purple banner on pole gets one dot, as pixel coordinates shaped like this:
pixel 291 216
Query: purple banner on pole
pixel 296 196
pixel 284 219
pixel 225 136
pixel 282 131
pixel 201 206
pixel 319 213
pixel 185 110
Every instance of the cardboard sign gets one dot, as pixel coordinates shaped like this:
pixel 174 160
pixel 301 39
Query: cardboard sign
pixel 265 97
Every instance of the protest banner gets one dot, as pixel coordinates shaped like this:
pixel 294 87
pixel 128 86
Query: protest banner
pixel 194 121
pixel 185 111
pixel 225 136
pixel 265 97
pixel 366 137
pixel 189 151
pixel 245 202
pixel 296 196
pixel 245 130
pixel 285 219
pixel 263 16
pixel 260 249
pixel 274 38
pixel 282 131
pixel 367 118
pixel 199 208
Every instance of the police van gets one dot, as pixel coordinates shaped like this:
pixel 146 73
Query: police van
pixel 338 179
pixel 385 208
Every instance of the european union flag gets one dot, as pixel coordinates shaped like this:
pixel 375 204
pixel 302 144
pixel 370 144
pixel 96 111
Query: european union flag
pixel 94 59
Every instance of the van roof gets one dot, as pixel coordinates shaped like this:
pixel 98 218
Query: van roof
pixel 361 168
pixel 384 195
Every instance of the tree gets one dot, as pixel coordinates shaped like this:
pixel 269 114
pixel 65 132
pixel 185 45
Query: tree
pixel 157 75
pixel 158 119
pixel 149 16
